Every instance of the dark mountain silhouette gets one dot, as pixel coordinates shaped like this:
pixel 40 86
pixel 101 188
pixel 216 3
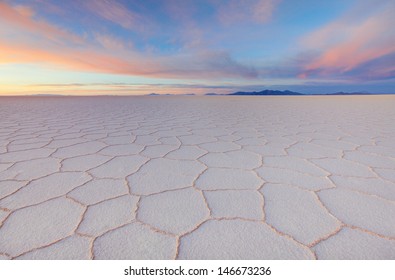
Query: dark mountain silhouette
pixel 267 92
pixel 157 94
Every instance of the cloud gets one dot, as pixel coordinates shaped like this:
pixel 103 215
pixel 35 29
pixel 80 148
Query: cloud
pixel 345 45
pixel 236 11
pixel 41 42
pixel 121 88
pixel 263 10
pixel 24 10
pixel 113 11
pixel 110 42
pixel 18 21
pixel 206 64
pixel 381 68
pixel 139 88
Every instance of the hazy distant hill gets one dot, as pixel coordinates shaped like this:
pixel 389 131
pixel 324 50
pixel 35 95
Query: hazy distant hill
pixel 213 93
pixel 349 93
pixel 267 92
pixel 158 94
pixel 162 94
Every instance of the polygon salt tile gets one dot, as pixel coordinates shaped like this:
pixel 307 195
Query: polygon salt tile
pixel 156 151
pixel 162 174
pixel 175 211
pixel 295 164
pixel 239 239
pixel 352 244
pixel 122 150
pixel 344 167
pixel 360 210
pixel 9 186
pixel 39 225
pixel 219 147
pixel 134 242
pixel 235 203
pixel 40 190
pixel 71 248
pixel 373 186
pixel 119 167
pixel 79 149
pixel 290 177
pixel 228 178
pixel 84 163
pixel 99 190
pixel 108 214
pixel 186 152
pixel 234 159
pixel 297 213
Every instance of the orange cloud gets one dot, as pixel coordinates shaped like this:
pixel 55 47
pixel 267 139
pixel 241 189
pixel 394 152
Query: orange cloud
pixel 26 39
pixel 111 89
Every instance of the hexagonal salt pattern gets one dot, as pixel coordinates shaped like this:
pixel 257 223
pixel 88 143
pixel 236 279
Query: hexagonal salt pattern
pixel 197 178
pixel 107 215
pixel 235 203
pixel 361 210
pixel 36 226
pixel 134 241
pixel 99 190
pixel 355 244
pixel 298 213
pixel 175 211
pixel 238 239
pixel 159 175
pixel 71 248
pixel 40 190
pixel 228 178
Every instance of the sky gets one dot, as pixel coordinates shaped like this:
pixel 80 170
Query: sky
pixel 120 47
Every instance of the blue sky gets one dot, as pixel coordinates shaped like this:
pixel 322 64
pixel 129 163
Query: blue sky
pixel 182 46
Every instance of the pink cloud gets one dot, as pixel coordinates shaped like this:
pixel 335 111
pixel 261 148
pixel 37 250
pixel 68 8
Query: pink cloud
pixel 24 10
pixel 111 43
pixel 21 17
pixel 40 42
pixel 351 41
pixel 236 11
pixel 115 12
pixel 264 9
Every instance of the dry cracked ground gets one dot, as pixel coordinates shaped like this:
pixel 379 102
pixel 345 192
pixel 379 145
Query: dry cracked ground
pixel 197 177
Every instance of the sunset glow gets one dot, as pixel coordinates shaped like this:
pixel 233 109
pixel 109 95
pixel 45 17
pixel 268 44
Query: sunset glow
pixel 139 47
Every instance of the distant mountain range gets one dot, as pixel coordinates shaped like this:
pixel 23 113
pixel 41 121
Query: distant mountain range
pixel 161 94
pixel 349 93
pixel 213 93
pixel 268 92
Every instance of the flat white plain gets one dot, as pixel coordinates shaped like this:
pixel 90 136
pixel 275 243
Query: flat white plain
pixel 221 177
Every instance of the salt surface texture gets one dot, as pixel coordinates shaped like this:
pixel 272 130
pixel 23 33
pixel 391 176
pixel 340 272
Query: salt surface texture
pixel 223 177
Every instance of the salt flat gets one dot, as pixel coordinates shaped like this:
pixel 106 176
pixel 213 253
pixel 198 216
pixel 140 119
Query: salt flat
pixel 197 177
